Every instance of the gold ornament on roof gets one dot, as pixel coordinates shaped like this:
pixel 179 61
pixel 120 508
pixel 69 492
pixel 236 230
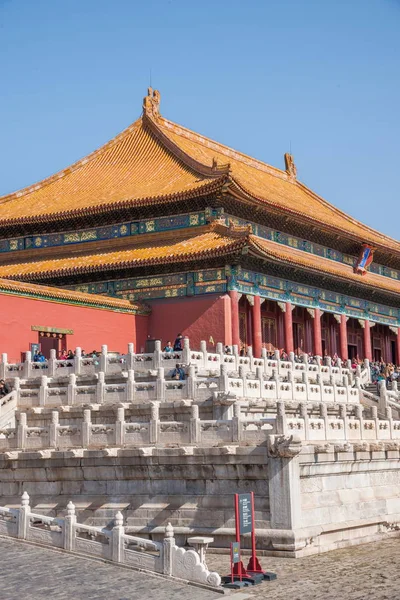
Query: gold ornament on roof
pixel 291 169
pixel 151 102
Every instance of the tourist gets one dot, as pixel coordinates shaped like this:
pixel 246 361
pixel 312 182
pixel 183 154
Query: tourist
pixel 228 350
pixel 4 389
pixel 178 372
pixel 178 343
pixel 169 347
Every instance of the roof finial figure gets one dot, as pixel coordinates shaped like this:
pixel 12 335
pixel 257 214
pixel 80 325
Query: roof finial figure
pixel 151 103
pixel 291 169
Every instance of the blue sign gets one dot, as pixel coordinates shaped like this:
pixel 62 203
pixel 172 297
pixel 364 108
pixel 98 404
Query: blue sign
pixel 245 514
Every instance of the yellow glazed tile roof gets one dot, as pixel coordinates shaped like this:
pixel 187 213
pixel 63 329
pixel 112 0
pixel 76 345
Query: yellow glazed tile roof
pixel 303 259
pixel 214 242
pixel 270 185
pixel 132 168
pixel 155 161
pixel 42 292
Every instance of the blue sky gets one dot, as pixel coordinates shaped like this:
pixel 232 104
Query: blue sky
pixel 320 77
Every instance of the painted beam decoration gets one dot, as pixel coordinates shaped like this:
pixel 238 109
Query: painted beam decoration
pixel 364 260
pixel 221 280
pixel 191 220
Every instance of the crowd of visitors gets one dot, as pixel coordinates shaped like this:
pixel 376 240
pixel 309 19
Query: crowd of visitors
pixel 381 371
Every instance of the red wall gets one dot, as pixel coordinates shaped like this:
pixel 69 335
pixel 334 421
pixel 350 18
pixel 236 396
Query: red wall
pixel 199 318
pixel 92 327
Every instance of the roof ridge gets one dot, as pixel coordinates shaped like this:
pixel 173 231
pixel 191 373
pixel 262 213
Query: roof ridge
pixel 212 171
pixel 236 154
pixel 342 213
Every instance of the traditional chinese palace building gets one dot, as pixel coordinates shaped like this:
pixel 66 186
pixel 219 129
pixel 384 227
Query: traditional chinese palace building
pixel 206 241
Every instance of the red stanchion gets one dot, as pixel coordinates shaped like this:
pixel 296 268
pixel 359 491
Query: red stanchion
pixel 254 565
pixel 238 568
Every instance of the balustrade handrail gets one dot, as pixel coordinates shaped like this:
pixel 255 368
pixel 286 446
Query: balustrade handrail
pixel 170 561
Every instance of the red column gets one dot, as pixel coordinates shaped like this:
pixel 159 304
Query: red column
pixel 289 346
pixel 256 326
pixel 317 332
pixel 234 296
pixel 344 351
pixel 367 340
pixel 398 346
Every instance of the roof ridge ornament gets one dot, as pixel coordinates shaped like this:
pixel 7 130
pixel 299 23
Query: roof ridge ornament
pixel 290 166
pixel 151 103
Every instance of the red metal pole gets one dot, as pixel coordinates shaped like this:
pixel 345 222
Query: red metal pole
pixel 253 565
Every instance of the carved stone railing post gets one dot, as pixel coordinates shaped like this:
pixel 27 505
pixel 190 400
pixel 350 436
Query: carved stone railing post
pixel 21 431
pixel 130 386
pixel 224 379
pixel 367 367
pixel 27 368
pixel 120 427
pixel 359 414
pixel 17 388
pixel 78 361
pixel 71 389
pixel 191 383
pixel 203 350
pixel 168 546
pixel 389 417
pixel 154 422
pixel 23 517
pixel 235 353
pixel 130 357
pixel 117 538
pixel 344 417
pixel 43 390
pixel 219 349
pixel 323 412
pixel 305 381
pixel 100 387
pixel 53 429
pixel 260 377
pixel 304 416
pixel 250 356
pixel 86 428
pixel 104 359
pixel 340 367
pixel 328 361
pixel 237 423
pixel 51 363
pixel 157 355
pixel 3 365
pixel 291 382
pixel 194 425
pixel 320 384
pixel 281 425
pixel 374 417
pixel 69 528
pixel 242 376
pixel 186 351
pixel 160 385
pixel 275 375
pixel 382 396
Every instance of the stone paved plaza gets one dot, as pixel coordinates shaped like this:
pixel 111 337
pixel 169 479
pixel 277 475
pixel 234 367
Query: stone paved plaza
pixel 35 573
pixel 368 572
